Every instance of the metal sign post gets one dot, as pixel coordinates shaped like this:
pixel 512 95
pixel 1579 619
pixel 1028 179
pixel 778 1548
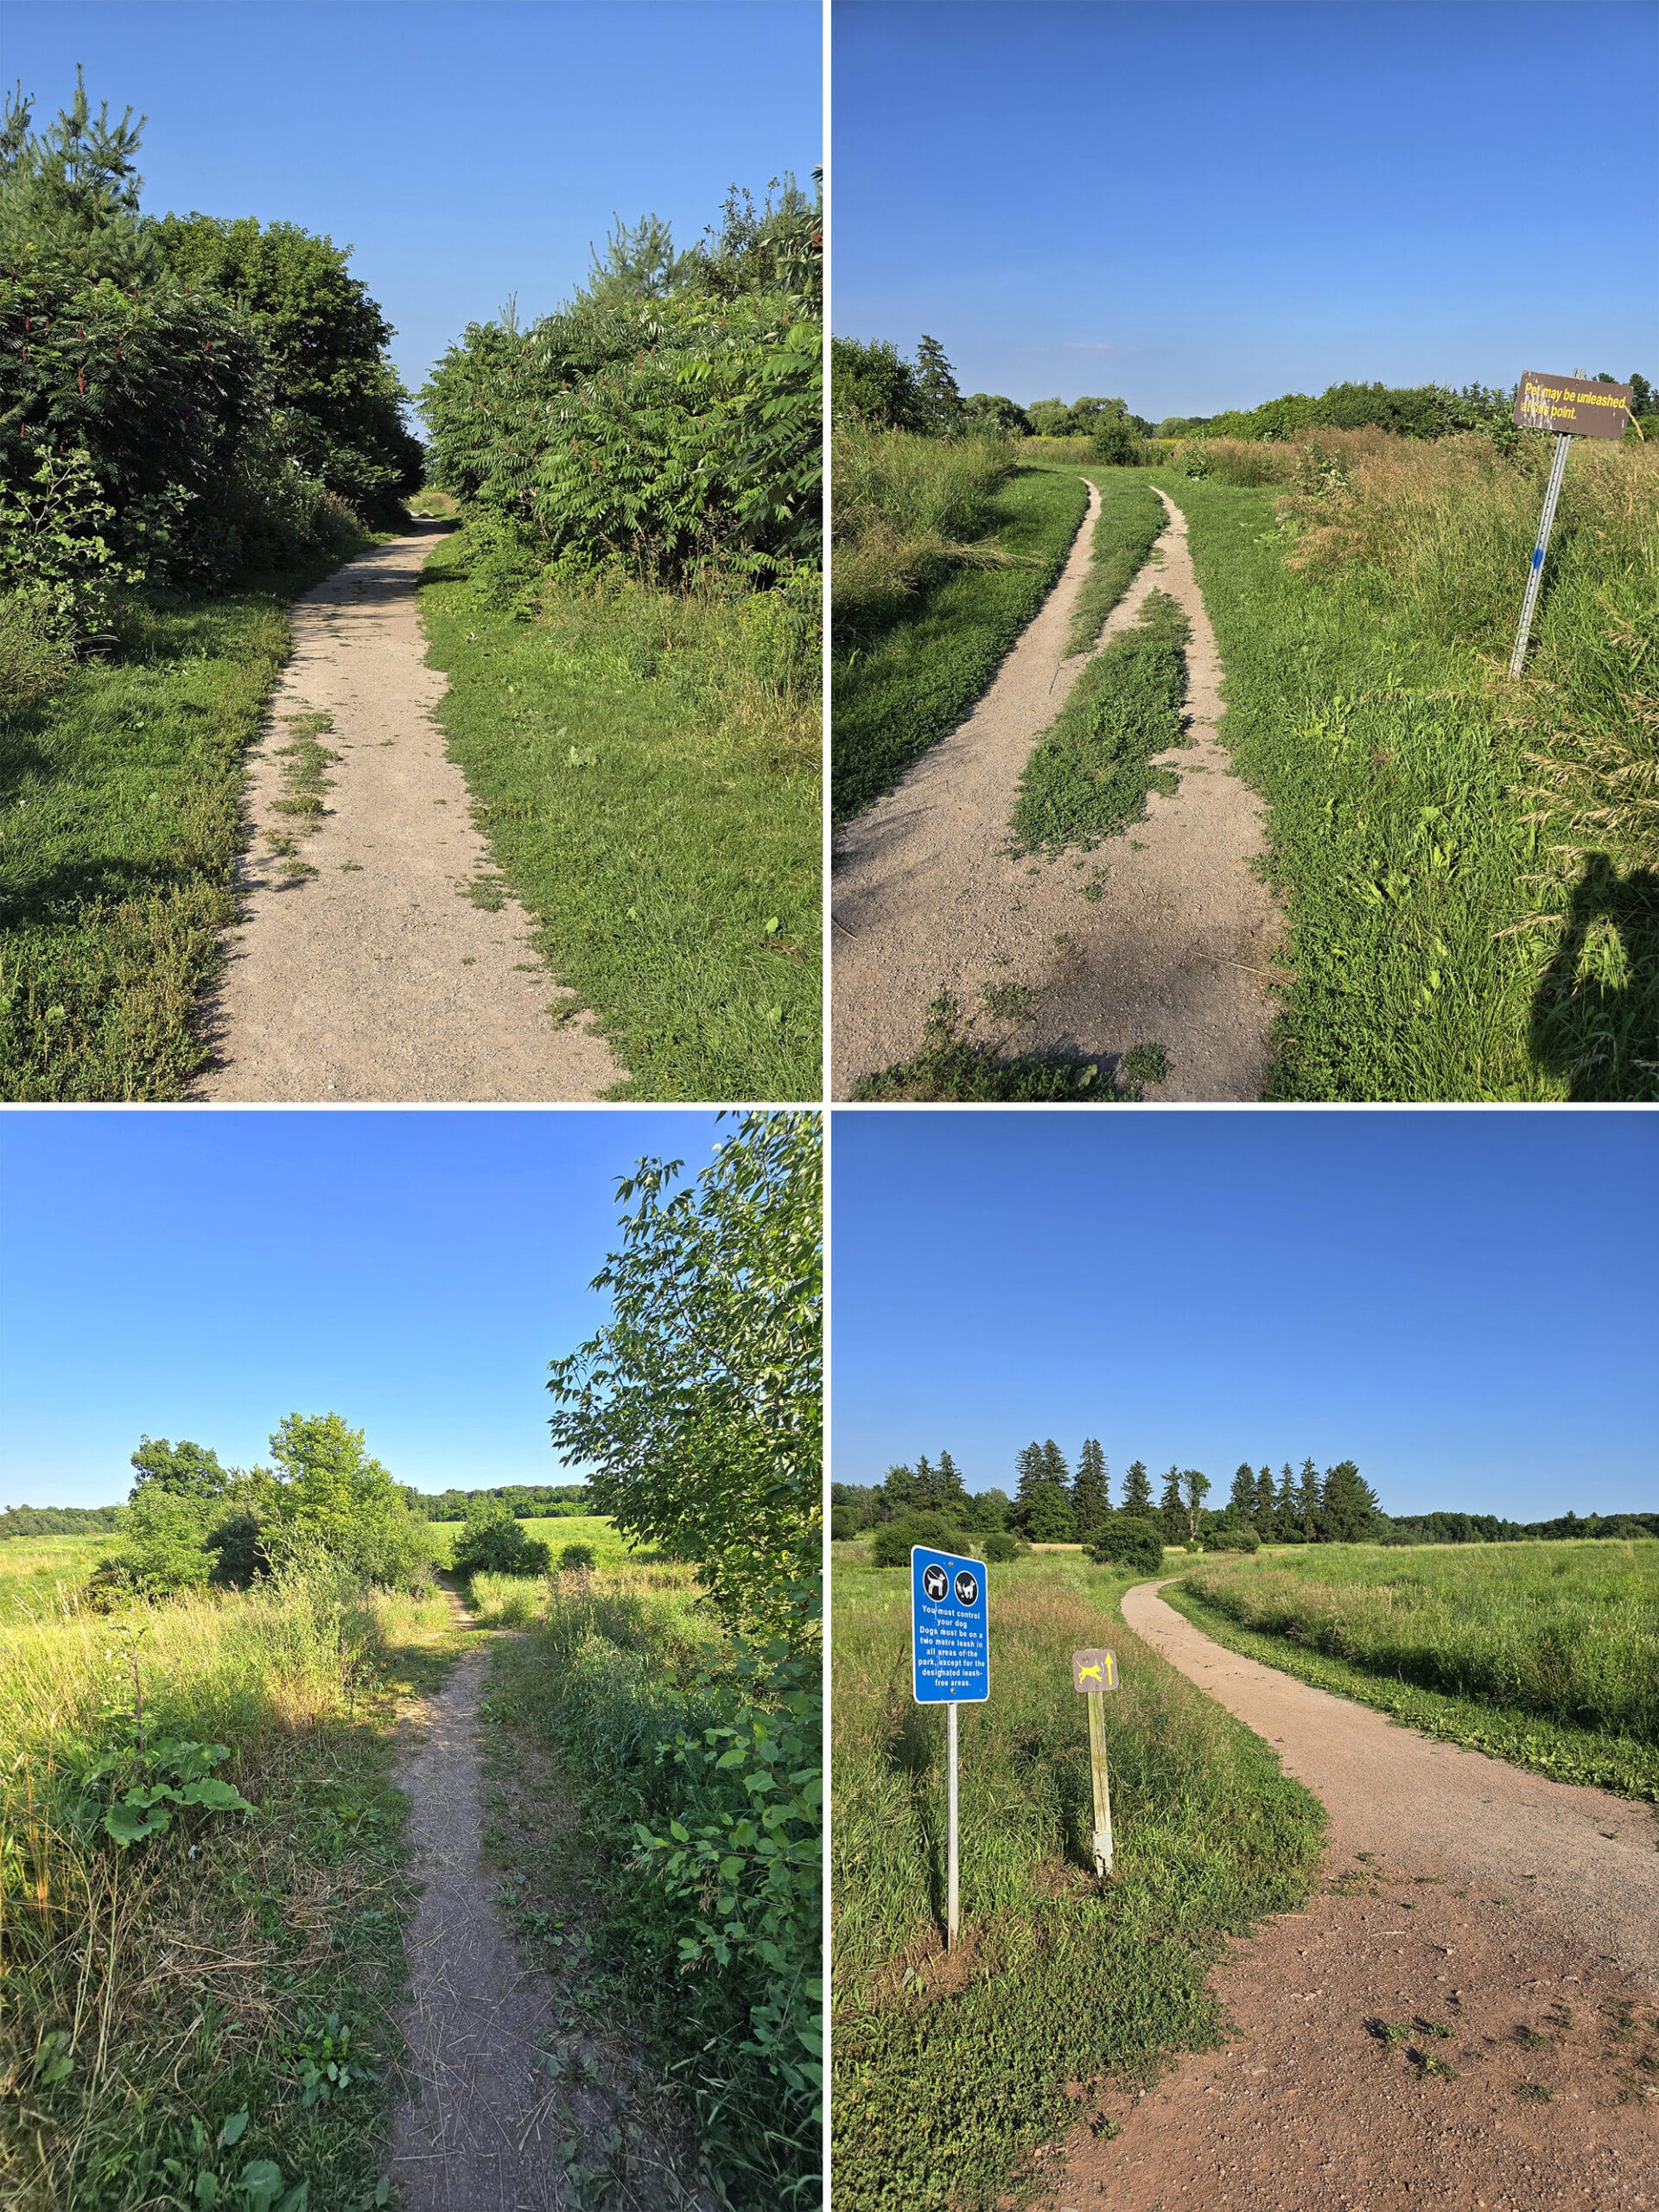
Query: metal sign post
pixel 1573 407
pixel 949 1664
pixel 1093 1673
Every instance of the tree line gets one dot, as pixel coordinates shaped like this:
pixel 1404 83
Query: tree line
pixel 1053 1504
pixel 876 386
pixel 183 399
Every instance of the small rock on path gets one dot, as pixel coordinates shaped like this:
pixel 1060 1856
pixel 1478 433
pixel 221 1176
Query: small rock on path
pixel 378 976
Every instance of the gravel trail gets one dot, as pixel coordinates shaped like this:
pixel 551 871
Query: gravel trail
pixel 1518 1916
pixel 374 974
pixel 927 900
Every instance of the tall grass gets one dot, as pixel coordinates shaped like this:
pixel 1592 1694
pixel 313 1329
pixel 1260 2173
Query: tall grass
pixel 949 2072
pixel 154 1994
pixel 905 509
pixel 1555 1644
pixel 41 1577
pixel 694 1769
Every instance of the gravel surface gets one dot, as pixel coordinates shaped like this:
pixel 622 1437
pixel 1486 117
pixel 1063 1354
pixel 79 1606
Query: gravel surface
pixel 927 899
pixel 1520 1914
pixel 378 976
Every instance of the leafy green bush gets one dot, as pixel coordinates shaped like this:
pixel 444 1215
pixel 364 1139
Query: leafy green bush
pixel 894 1538
pixel 667 422
pixel 164 1546
pixel 494 1543
pixel 577 1559
pixel 1239 1537
pixel 1129 1539
pixel 1000 1546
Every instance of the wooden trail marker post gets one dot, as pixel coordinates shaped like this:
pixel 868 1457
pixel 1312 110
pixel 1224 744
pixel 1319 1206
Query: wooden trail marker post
pixel 1573 407
pixel 949 1665
pixel 1093 1673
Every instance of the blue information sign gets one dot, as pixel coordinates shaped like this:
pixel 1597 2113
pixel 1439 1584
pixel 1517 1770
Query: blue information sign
pixel 951 1636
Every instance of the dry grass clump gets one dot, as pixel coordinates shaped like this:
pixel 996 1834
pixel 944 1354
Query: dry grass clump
pixel 905 507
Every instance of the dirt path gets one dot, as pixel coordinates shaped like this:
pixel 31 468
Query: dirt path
pixel 378 976
pixel 927 899
pixel 1522 1914
pixel 496 2128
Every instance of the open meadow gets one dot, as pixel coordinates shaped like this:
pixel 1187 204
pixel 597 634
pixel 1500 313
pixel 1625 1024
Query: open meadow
pixel 951 2071
pixel 1545 1654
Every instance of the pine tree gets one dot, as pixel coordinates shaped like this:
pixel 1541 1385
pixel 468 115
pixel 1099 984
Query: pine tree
pixel 900 1493
pixel 1284 1502
pixel 1196 1488
pixel 937 395
pixel 1049 1518
pixel 950 1492
pixel 1170 1512
pixel 927 1488
pixel 1347 1505
pixel 1091 1496
pixel 1261 1508
pixel 1137 1491
pixel 1308 1502
pixel 1241 1499
pixel 1054 1467
pixel 1031 1470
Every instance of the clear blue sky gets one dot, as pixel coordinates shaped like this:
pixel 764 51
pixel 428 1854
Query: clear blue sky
pixel 466 149
pixel 1465 1303
pixel 1194 207
pixel 201 1274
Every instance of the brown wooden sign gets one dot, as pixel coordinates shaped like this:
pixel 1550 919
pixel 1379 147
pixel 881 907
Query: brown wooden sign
pixel 1573 407
pixel 1094 1671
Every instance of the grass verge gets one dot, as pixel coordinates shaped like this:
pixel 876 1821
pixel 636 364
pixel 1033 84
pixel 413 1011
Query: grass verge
pixel 1468 865
pixel 689 1844
pixel 1128 526
pixel 174 2008
pixel 652 794
pixel 1540 1654
pixel 1090 777
pixel 120 824
pixel 950 2071
pixel 967 1070
pixel 908 673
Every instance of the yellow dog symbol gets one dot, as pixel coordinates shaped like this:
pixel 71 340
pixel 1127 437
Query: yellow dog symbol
pixel 1083 1673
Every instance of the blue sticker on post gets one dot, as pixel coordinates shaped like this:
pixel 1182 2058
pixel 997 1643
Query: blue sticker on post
pixel 951 1631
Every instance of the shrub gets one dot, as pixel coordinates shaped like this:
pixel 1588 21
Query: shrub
pixel 165 1547
pixel 1129 1539
pixel 33 660
pixel 578 1559
pixel 894 1538
pixel 1239 1537
pixel 1000 1546
pixel 492 1542
pixel 843 1524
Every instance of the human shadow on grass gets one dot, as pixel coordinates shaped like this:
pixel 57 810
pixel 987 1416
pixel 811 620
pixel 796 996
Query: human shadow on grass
pixel 1595 1014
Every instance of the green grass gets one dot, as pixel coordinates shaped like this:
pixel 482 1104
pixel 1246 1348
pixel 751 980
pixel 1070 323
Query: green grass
pixel 1090 776
pixel 961 1067
pixel 119 828
pixel 1449 938
pixel 654 802
pixel 950 2073
pixel 166 1997
pixel 905 679
pixel 42 1576
pixel 1130 518
pixel 1543 1654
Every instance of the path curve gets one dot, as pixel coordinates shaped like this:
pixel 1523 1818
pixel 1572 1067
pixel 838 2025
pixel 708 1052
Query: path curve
pixel 927 899
pixel 1465 1891
pixel 378 977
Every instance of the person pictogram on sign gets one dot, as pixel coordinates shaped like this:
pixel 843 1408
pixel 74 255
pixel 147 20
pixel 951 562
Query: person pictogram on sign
pixel 967 1589
pixel 935 1581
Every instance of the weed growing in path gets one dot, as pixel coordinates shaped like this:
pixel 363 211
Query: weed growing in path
pixel 1090 777
pixel 1128 526
pixel 957 1067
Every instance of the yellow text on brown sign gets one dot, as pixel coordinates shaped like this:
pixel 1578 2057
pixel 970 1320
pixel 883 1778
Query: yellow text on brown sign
pixel 1574 407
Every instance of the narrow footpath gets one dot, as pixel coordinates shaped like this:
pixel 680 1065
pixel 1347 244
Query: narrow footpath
pixel 516 2108
pixel 928 899
pixel 365 966
pixel 1464 2014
